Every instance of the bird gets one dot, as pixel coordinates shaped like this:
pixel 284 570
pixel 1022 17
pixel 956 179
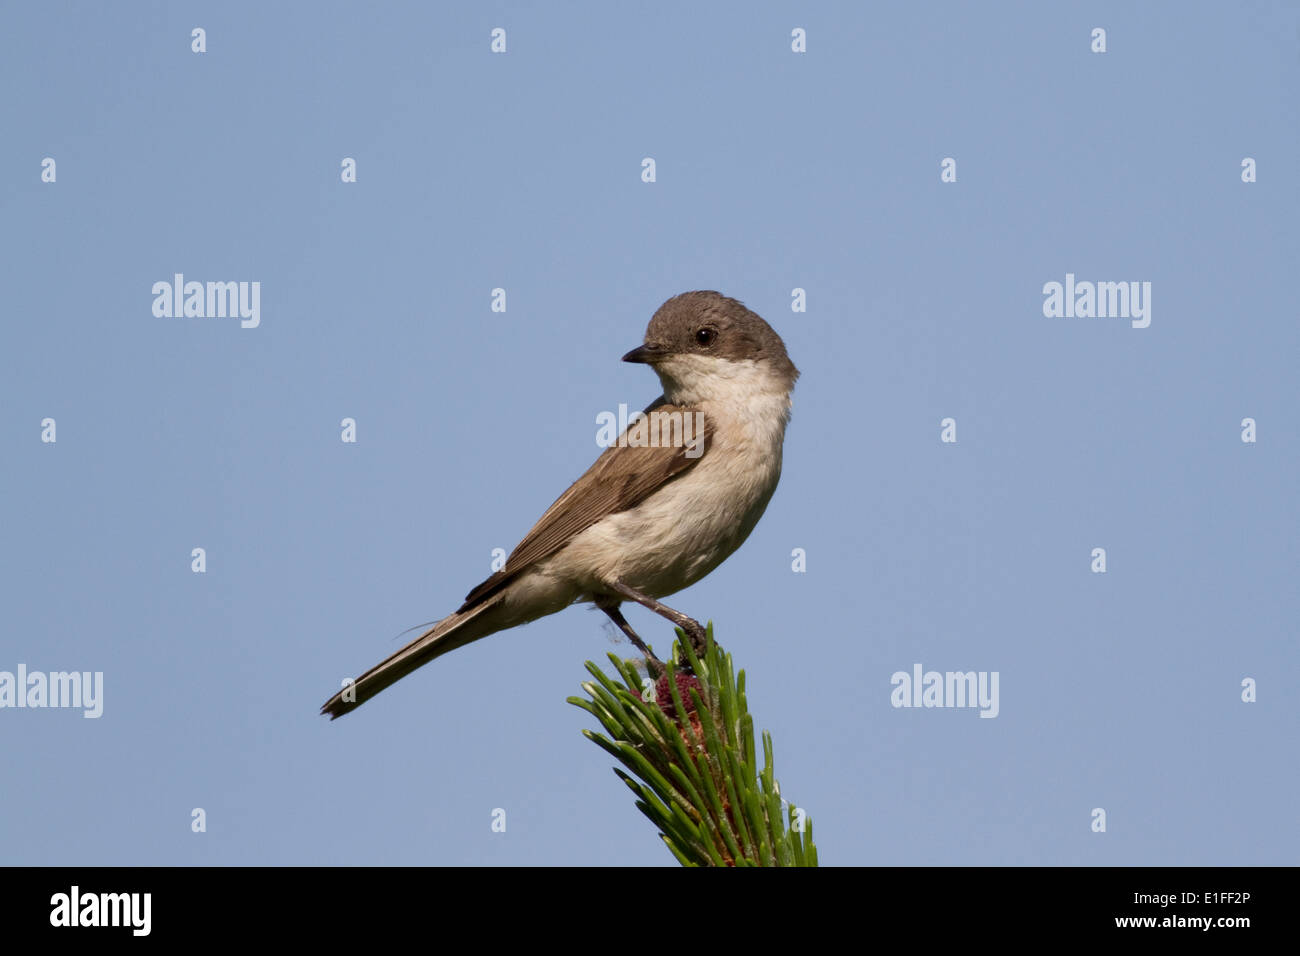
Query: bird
pixel 677 493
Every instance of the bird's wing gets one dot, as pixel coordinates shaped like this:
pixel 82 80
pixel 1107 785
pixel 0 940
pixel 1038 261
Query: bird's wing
pixel 621 478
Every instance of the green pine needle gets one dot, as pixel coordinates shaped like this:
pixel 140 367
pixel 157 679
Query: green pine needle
pixel 697 780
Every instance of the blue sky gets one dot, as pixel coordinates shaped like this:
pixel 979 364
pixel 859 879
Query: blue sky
pixel 775 170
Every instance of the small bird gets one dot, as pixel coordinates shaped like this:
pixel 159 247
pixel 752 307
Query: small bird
pixel 679 491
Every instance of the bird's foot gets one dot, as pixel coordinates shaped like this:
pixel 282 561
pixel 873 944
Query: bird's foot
pixel 699 639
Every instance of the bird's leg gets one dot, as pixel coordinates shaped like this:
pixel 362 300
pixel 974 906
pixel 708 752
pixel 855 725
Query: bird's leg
pixel 699 639
pixel 653 665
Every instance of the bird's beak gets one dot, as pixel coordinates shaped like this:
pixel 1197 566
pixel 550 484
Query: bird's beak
pixel 645 354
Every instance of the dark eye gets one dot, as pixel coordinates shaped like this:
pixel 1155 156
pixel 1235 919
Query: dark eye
pixel 705 337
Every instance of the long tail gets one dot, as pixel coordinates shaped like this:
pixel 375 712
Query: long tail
pixel 455 630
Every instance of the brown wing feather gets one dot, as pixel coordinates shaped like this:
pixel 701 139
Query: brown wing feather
pixel 621 478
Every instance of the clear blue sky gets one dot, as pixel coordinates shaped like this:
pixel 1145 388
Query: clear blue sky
pixel 775 170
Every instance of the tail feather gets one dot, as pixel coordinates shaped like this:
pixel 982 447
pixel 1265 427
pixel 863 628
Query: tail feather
pixel 455 630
